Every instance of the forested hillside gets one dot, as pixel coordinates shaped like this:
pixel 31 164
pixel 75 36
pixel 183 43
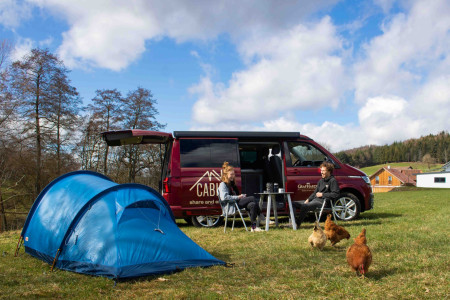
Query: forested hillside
pixel 428 149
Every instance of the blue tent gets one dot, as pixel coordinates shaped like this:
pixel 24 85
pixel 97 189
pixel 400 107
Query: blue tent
pixel 86 223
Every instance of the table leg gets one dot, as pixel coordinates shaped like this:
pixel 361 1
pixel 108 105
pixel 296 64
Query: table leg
pixel 275 209
pixel 294 224
pixel 269 200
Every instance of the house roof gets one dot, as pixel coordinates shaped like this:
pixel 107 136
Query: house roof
pixel 406 176
pixel 446 166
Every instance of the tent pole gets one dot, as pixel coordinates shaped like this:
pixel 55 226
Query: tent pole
pixel 54 261
pixel 18 246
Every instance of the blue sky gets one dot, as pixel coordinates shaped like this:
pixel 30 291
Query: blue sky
pixel 346 73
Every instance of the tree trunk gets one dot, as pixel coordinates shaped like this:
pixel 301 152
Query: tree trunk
pixel 3 224
pixel 38 145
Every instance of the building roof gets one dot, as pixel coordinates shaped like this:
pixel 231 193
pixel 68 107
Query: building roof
pixel 405 175
pixel 446 166
pixel 434 173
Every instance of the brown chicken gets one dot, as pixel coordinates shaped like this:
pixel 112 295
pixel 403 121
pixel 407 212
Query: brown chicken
pixel 335 233
pixel 317 239
pixel 359 256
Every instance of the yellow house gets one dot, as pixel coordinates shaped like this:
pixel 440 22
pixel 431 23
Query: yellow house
pixel 387 178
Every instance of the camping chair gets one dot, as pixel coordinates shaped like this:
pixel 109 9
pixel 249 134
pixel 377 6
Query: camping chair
pixel 231 208
pixel 331 207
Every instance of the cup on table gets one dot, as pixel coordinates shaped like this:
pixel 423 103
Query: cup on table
pixel 280 190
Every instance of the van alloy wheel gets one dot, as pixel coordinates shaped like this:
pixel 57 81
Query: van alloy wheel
pixel 206 221
pixel 347 207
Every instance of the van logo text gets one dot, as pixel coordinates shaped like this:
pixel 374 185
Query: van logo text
pixel 207 189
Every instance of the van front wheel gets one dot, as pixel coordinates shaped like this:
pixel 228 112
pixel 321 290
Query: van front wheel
pixel 347 207
pixel 206 221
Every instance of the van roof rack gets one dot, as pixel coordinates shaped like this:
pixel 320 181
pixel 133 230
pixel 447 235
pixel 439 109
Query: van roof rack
pixel 237 134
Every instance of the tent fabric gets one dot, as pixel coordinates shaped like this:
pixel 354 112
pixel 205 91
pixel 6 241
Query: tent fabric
pixel 102 228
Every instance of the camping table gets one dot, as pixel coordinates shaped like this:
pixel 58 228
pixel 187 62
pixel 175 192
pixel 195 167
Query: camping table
pixel 275 213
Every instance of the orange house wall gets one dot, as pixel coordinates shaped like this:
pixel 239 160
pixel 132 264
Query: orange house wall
pixel 383 185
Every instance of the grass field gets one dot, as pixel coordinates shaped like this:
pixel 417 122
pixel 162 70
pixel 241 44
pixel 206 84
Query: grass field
pixel 408 233
pixel 415 165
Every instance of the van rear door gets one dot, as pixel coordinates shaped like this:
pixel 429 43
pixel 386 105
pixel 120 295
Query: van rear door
pixel 136 137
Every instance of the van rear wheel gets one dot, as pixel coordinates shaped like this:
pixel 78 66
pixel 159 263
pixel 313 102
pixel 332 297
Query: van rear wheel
pixel 206 221
pixel 347 207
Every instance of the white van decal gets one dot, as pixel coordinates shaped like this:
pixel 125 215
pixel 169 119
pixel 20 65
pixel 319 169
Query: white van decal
pixel 207 189
pixel 307 186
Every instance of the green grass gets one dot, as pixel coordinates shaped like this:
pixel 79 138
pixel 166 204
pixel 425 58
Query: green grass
pixel 415 165
pixel 407 231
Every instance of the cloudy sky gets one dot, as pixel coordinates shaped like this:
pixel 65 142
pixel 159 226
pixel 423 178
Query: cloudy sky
pixel 346 73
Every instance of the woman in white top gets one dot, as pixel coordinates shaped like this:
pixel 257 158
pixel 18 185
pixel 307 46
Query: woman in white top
pixel 229 191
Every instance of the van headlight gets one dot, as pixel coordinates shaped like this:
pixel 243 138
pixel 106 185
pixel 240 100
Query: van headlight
pixel 366 179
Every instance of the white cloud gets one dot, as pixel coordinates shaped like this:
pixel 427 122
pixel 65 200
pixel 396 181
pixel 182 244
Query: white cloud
pixel 385 119
pixel 411 45
pixel 298 69
pixel 112 34
pixel 13 12
pixel 403 83
pixel 21 48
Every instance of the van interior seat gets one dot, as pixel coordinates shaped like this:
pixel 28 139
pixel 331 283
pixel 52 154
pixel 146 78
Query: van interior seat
pixel 275 165
pixel 252 181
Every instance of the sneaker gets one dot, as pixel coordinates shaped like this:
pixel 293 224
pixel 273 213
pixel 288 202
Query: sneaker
pixel 256 229
pixel 263 222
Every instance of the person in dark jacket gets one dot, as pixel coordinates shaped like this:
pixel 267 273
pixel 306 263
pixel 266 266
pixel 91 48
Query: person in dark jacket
pixel 327 188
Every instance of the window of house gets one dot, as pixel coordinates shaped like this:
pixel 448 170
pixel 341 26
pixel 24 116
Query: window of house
pixel 439 179
pixel 389 179
pixel 377 180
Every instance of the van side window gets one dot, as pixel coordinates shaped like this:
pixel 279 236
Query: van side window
pixel 211 153
pixel 304 155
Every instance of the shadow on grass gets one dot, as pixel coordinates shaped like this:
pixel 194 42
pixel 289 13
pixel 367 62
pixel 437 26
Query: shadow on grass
pixel 372 216
pixel 366 219
pixel 380 274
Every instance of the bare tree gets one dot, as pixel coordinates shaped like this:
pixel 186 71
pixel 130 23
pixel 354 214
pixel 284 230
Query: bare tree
pixel 32 83
pixel 428 159
pixel 7 105
pixel 106 113
pixel 138 111
pixel 90 145
pixel 64 109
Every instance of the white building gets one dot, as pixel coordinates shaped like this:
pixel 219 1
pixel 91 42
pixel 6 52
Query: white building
pixel 434 180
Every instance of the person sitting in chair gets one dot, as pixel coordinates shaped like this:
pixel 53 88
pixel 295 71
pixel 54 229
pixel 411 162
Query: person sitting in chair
pixel 229 191
pixel 327 188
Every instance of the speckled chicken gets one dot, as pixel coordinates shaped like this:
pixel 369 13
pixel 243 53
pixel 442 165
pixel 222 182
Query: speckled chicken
pixel 359 256
pixel 317 239
pixel 335 233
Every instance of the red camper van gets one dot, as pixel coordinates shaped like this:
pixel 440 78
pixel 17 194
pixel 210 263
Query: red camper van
pixel 193 160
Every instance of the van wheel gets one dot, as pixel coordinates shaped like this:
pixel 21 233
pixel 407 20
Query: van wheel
pixel 206 221
pixel 347 207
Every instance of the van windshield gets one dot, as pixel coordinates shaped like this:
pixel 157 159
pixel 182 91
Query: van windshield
pixel 303 154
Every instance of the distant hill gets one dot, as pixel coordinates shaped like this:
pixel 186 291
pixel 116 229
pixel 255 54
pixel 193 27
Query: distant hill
pixel 430 150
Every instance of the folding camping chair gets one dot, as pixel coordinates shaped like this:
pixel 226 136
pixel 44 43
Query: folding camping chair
pixel 228 211
pixel 332 208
